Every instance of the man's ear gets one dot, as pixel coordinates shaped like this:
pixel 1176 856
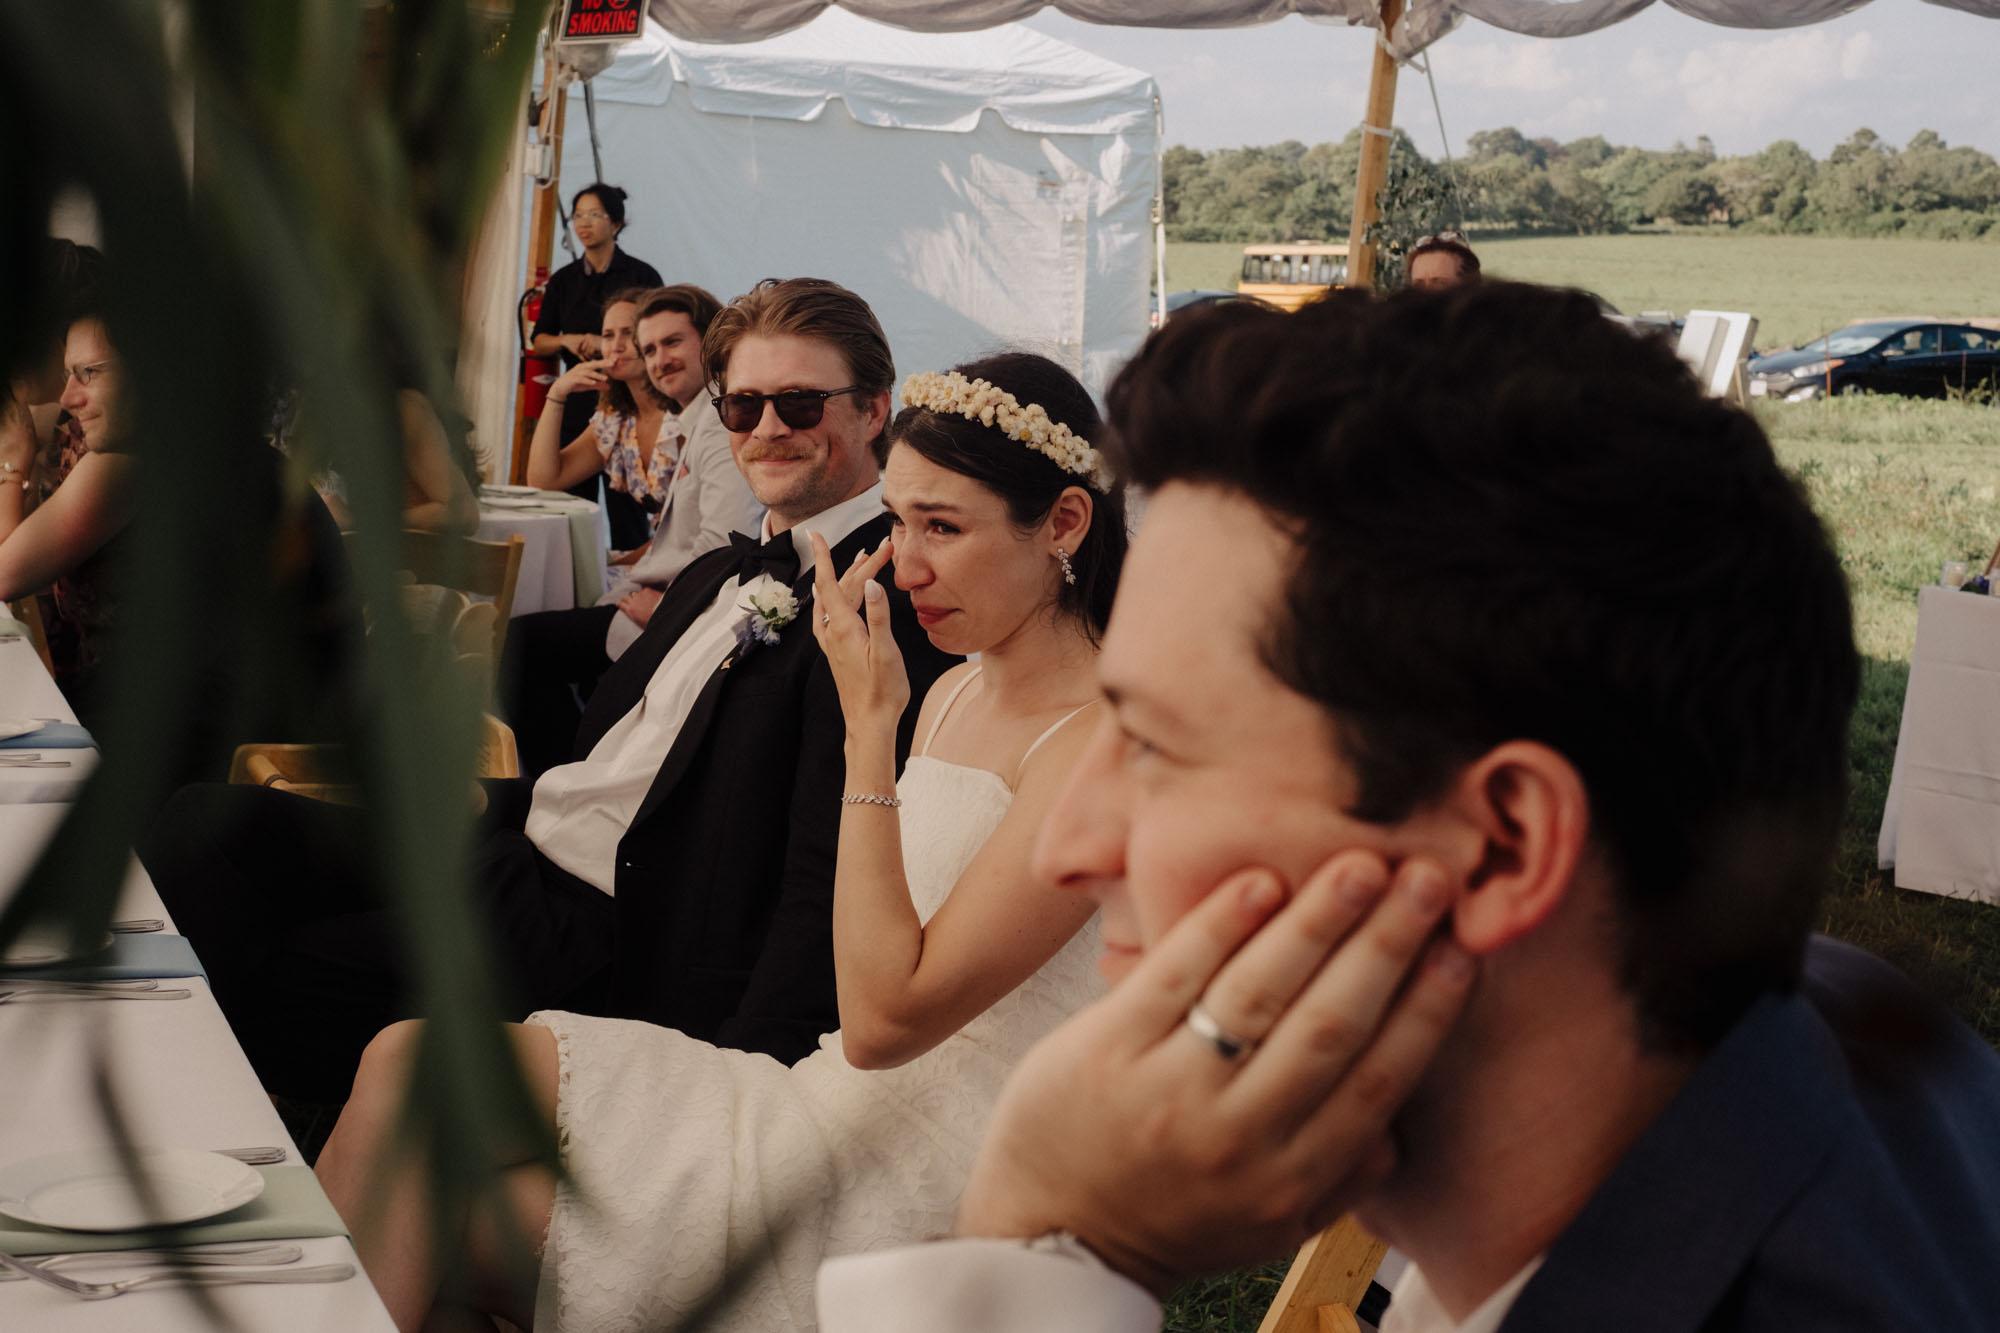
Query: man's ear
pixel 877 413
pixel 1528 811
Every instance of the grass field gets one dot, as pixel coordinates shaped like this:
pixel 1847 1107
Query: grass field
pixel 1797 286
pixel 1902 485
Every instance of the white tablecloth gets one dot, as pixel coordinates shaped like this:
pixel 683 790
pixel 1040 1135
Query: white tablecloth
pixel 26 829
pixel 553 571
pixel 27 691
pixel 1941 824
pixel 183 1083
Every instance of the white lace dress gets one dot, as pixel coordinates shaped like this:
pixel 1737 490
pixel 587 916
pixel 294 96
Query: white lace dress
pixel 688 1161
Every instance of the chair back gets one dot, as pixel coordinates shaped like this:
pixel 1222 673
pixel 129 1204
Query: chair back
pixel 1327 1282
pixel 461 590
pixel 467 565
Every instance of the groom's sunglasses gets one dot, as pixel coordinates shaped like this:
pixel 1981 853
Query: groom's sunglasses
pixel 801 409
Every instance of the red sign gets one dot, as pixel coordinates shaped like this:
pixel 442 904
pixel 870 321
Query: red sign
pixel 601 20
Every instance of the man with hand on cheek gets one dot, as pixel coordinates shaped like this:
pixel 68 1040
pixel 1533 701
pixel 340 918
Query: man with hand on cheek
pixel 1544 674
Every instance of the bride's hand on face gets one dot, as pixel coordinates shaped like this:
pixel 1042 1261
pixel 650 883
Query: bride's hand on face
pixel 860 648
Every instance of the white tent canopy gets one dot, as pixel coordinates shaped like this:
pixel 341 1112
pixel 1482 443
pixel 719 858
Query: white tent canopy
pixel 1423 23
pixel 983 190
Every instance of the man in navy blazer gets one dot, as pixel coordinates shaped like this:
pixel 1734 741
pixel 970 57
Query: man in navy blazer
pixel 1460 873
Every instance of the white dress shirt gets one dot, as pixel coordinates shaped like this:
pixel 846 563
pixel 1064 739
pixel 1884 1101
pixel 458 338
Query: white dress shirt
pixel 1003 1286
pixel 980 1286
pixel 581 811
pixel 1414 1307
pixel 707 500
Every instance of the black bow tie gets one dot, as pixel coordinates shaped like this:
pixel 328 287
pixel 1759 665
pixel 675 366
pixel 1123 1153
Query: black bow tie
pixel 778 557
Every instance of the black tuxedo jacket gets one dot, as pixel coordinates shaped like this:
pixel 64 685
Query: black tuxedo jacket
pixel 725 877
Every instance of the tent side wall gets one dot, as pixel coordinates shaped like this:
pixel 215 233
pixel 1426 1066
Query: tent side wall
pixel 963 242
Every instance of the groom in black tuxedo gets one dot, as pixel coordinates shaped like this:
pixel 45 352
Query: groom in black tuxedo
pixel 679 871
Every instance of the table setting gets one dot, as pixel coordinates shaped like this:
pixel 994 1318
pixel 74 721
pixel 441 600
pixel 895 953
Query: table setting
pixel 125 1018
pixel 562 561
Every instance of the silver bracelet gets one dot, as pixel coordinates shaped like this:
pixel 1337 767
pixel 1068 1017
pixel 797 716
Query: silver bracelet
pixel 859 798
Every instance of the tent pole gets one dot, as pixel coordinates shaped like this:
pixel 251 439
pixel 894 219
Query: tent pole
pixel 1159 214
pixel 1374 170
pixel 542 234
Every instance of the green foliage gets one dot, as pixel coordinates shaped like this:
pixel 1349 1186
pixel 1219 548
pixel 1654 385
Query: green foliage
pixel 286 190
pixel 1866 187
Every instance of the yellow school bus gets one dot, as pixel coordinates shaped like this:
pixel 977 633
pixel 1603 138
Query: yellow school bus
pixel 1288 276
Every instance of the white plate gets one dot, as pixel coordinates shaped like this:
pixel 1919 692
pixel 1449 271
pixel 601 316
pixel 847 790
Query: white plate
pixel 19 726
pixel 43 946
pixel 88 1190
pixel 494 488
pixel 511 502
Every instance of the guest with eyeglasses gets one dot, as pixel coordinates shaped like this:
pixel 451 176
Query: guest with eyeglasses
pixel 570 324
pixel 34 428
pixel 285 677
pixel 63 545
pixel 1440 262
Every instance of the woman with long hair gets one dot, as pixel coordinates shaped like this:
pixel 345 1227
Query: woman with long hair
pixel 627 437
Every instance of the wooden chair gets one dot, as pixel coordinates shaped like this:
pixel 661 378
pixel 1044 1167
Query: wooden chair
pixel 320 771
pixel 1327 1281
pixel 457 570
pixel 472 568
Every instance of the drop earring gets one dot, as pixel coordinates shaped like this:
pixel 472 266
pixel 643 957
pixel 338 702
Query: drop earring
pixel 1069 570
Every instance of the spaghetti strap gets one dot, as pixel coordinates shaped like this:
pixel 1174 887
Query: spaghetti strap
pixel 1060 723
pixel 951 699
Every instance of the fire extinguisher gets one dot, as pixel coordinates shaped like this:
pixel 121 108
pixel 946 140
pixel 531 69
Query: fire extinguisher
pixel 537 372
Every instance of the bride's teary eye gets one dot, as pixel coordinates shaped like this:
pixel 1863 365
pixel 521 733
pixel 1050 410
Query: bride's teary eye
pixel 1137 746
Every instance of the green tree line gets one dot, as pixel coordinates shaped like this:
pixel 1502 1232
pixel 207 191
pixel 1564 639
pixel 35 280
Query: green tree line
pixel 1864 187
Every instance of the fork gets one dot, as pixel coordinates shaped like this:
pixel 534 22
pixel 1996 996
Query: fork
pixel 247 1253
pixel 209 1277
pixel 19 993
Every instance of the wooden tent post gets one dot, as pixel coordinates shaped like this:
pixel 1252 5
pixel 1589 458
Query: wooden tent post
pixel 1374 170
pixel 541 236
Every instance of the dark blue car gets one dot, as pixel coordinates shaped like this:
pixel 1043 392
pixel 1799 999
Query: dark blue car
pixel 1916 358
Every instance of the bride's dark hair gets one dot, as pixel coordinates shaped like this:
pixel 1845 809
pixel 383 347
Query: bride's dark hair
pixel 1028 481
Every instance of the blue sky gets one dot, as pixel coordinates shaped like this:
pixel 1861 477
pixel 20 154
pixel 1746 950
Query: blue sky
pixel 1895 66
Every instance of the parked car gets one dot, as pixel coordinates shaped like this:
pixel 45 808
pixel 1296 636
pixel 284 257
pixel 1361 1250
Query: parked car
pixel 1916 358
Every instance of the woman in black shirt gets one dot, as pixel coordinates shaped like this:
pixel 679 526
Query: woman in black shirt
pixel 572 308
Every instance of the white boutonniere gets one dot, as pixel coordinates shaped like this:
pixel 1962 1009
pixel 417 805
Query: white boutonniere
pixel 767 606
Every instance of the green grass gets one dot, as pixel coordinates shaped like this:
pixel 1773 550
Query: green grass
pixel 1797 286
pixel 1902 485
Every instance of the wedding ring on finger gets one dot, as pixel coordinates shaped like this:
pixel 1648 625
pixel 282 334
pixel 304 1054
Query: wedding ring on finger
pixel 1226 1043
pixel 825 618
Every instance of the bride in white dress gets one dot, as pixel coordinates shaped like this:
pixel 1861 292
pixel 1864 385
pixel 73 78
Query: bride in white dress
pixel 705 1185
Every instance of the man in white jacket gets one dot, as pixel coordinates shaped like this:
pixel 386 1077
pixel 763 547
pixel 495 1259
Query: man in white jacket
pixel 1476 756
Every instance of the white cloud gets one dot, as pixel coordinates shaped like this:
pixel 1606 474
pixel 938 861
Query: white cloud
pixel 1763 82
pixel 1516 67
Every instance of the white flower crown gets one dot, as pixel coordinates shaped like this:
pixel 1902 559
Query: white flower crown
pixel 989 405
